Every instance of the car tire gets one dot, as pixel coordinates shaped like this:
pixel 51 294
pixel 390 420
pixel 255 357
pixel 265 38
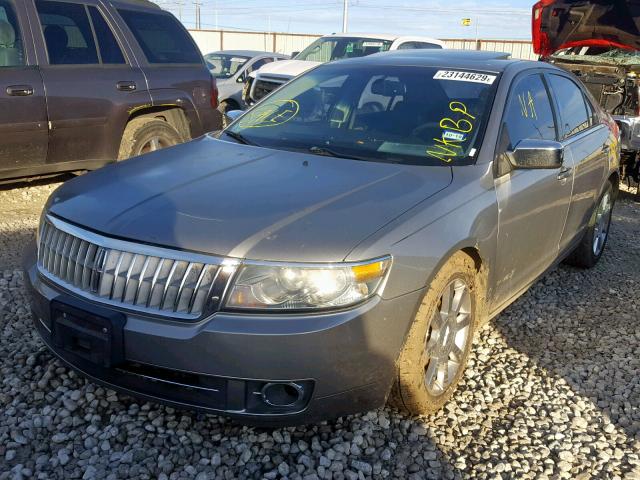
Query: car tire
pixel 145 135
pixel 438 338
pixel 594 241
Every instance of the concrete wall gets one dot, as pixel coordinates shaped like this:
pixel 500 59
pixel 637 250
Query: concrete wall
pixel 212 40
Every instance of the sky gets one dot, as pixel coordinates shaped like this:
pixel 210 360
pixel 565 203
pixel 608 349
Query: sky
pixel 493 19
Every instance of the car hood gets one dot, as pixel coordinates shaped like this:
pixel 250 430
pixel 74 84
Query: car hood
pixel 559 24
pixel 239 201
pixel 287 68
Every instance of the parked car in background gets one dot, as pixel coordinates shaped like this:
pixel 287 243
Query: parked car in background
pixel 327 49
pixel 598 41
pixel 337 246
pixel 231 68
pixel 85 83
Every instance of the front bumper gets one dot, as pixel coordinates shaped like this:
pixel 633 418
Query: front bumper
pixel 343 361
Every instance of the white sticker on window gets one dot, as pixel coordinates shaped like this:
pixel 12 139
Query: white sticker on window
pixel 455 136
pixel 372 44
pixel 461 76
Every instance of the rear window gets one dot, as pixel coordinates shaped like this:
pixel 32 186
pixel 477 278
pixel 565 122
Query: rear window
pixel 161 37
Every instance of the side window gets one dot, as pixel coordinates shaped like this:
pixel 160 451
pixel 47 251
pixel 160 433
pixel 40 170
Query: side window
pixel 11 50
pixel 528 113
pixel 161 37
pixel 418 45
pixel 572 106
pixel 67 33
pixel 259 63
pixel 110 52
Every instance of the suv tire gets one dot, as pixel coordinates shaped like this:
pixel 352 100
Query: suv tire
pixel 441 335
pixel 594 241
pixel 144 135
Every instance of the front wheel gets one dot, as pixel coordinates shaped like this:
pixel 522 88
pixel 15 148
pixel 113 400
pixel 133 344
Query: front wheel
pixel 592 245
pixel 437 347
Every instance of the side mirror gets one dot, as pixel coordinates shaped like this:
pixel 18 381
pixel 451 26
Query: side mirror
pixel 233 114
pixel 241 78
pixel 536 154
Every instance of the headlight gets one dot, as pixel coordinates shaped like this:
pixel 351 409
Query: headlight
pixel 294 287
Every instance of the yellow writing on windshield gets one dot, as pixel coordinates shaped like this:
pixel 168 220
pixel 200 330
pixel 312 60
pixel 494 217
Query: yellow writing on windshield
pixel 270 114
pixel 455 133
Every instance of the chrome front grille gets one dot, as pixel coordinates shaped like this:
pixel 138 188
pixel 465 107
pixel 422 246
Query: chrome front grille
pixel 130 275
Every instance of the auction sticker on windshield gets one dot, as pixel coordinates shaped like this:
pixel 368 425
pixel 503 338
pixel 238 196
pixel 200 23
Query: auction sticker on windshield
pixel 460 76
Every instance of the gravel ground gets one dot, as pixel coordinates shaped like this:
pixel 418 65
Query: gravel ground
pixel 552 391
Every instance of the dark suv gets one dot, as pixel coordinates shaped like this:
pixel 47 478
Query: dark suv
pixel 84 83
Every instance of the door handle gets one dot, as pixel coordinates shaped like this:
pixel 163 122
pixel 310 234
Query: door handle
pixel 126 86
pixel 19 90
pixel 564 173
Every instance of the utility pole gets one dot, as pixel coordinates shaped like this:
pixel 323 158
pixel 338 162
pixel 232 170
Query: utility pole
pixel 345 16
pixel 197 4
pixel 215 11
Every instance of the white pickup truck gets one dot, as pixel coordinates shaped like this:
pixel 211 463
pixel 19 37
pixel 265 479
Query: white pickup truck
pixel 326 49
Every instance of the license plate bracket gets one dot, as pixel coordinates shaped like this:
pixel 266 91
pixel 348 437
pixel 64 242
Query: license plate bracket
pixel 92 333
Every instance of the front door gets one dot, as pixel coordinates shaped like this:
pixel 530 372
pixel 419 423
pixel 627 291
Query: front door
pixel 91 81
pixel 23 114
pixel 532 204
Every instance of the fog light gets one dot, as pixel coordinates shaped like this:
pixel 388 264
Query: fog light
pixel 282 394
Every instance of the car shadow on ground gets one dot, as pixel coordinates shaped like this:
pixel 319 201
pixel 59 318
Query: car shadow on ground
pixel 583 328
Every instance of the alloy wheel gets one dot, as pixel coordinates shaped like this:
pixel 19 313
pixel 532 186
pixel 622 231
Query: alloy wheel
pixel 447 337
pixel 153 144
pixel 601 229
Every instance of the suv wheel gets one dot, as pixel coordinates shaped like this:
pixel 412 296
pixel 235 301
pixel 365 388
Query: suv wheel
pixel 437 347
pixel 144 135
pixel 591 247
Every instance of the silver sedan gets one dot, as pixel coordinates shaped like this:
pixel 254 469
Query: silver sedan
pixel 337 247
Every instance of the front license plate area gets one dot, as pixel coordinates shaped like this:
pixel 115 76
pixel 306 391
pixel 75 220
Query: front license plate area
pixel 94 335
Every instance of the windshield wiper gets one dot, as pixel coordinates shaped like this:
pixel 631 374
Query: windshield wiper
pixel 239 137
pixel 327 152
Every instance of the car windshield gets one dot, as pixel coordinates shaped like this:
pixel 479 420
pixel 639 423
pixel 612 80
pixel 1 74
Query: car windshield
pixel 401 114
pixel 605 55
pixel 223 65
pixel 327 49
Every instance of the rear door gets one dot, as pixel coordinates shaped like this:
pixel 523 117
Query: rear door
pixel 174 68
pixel 23 115
pixel 533 204
pixel 92 81
pixel 586 143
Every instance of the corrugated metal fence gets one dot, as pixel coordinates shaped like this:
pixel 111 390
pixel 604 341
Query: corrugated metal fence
pixel 212 40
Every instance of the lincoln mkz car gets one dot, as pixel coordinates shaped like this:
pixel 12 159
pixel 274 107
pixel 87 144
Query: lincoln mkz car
pixel 337 246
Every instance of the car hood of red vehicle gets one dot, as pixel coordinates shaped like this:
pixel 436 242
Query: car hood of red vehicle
pixel 559 24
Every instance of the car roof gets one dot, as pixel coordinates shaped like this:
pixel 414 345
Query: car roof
pixel 136 3
pixel 248 53
pixel 383 36
pixel 492 61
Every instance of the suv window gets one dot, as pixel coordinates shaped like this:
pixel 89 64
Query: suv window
pixel 161 37
pixel 110 52
pixel 528 113
pixel 11 51
pixel 418 45
pixel 571 103
pixel 259 63
pixel 67 33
